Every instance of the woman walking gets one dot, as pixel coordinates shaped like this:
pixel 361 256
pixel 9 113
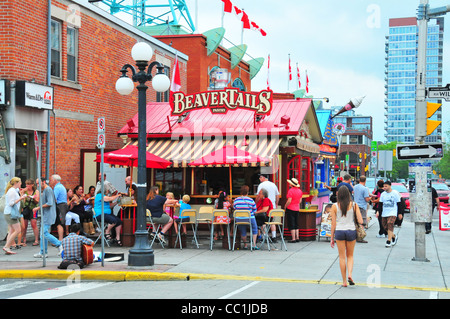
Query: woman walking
pixel 12 203
pixel 343 231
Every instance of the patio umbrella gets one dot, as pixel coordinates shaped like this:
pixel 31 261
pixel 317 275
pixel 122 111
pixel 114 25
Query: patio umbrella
pixel 229 155
pixel 128 156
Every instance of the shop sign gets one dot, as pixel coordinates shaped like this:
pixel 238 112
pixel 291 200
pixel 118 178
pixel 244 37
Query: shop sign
pixel 222 101
pixel 327 149
pixel 4 93
pixel 34 95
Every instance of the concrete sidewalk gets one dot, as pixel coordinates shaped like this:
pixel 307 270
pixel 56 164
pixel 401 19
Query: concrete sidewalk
pixel 304 262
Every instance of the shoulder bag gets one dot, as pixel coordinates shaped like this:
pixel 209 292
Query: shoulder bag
pixel 15 214
pixel 360 231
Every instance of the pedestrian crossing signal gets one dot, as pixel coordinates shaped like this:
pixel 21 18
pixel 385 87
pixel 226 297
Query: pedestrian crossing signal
pixel 432 125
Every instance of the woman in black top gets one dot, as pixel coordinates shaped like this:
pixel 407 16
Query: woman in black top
pixel 155 204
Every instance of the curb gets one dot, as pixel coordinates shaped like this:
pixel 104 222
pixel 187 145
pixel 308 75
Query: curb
pixel 92 275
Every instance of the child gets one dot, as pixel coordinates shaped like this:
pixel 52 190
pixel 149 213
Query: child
pixel 222 203
pixel 170 209
pixel 184 204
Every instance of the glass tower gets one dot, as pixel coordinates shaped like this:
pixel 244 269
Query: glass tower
pixel 401 71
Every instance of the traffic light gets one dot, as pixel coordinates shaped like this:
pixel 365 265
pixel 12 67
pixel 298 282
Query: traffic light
pixel 431 124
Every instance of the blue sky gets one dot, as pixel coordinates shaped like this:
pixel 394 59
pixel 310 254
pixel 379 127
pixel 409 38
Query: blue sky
pixel 340 43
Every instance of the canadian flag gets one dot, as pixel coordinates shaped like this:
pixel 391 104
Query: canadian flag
pixel 298 77
pixel 245 20
pixel 175 84
pixel 227 6
pixel 290 70
pixel 237 11
pixel 257 28
pixel 307 82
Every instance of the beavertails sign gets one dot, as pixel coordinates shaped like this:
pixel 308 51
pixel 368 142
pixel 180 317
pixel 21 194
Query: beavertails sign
pixel 222 101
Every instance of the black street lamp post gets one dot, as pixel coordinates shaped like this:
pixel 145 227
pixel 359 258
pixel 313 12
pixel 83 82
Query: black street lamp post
pixel 141 254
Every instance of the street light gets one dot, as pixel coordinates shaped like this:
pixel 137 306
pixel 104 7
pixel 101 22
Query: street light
pixel 141 254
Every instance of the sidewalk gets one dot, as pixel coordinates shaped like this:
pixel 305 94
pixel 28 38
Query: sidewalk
pixel 307 262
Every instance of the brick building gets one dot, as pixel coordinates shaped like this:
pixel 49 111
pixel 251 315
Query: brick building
pixel 88 47
pixel 354 150
pixel 204 61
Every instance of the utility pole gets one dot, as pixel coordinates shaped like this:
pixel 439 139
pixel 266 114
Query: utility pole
pixel 421 197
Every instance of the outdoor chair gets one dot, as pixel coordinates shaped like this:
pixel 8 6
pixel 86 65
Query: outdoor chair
pixel 242 218
pixel 204 216
pixel 220 213
pixel 276 218
pixel 154 229
pixel 187 217
pixel 98 225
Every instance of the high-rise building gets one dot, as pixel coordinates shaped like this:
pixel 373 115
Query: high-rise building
pixel 401 73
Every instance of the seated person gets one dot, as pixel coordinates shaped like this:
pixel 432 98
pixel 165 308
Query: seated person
pixel 72 247
pixel 155 204
pixel 263 207
pixel 184 204
pixel 112 220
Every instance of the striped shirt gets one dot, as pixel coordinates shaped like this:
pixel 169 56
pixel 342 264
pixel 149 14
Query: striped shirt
pixel 72 246
pixel 245 203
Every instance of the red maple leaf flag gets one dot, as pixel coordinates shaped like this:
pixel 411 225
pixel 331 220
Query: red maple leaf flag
pixel 175 85
pixel 298 77
pixel 256 27
pixel 227 6
pixel 245 20
pixel 290 70
pixel 237 11
pixel 307 82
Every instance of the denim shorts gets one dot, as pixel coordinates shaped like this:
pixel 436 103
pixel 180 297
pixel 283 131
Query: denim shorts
pixel 348 235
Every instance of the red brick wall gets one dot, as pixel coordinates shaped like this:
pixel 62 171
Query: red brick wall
pixel 102 51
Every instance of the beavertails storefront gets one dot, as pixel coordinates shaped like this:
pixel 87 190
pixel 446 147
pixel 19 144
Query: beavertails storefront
pixel 280 138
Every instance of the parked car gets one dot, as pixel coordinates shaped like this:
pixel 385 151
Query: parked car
pixel 399 187
pixel 442 190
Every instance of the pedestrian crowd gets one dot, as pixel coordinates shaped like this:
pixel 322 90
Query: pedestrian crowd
pixel 73 214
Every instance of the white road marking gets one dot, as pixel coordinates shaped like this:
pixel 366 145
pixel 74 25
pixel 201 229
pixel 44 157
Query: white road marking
pixel 239 290
pixel 18 285
pixel 63 290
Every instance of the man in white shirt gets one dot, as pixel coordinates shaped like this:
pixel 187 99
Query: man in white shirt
pixel 389 198
pixel 271 188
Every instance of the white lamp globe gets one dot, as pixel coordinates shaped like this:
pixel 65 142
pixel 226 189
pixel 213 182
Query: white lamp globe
pixel 141 51
pixel 160 83
pixel 124 85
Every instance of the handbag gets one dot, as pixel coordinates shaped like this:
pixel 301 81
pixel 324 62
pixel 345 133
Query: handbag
pixel 360 231
pixel 15 214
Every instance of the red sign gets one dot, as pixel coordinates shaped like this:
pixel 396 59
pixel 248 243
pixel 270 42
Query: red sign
pixel 327 148
pixel 222 101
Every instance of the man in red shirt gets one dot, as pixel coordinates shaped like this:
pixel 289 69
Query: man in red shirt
pixel 292 207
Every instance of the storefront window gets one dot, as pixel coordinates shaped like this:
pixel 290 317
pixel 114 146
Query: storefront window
pixel 169 180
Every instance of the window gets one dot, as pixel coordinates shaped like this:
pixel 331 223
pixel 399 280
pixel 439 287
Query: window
pixel 72 54
pixel 56 48
pixel 169 180
pixel 237 83
pixel 164 96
